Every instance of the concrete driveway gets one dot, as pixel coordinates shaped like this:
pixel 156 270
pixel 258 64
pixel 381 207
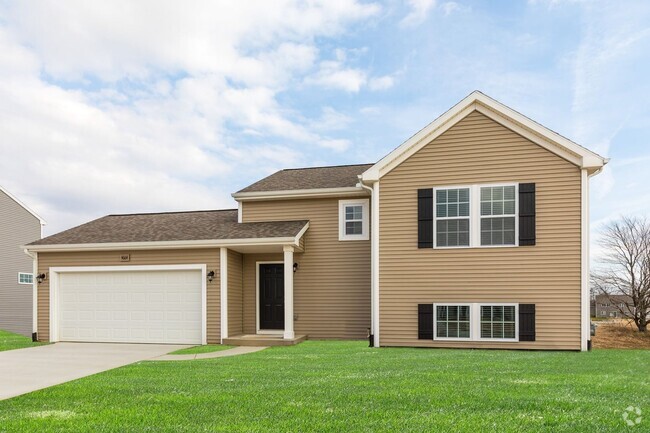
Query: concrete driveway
pixel 27 370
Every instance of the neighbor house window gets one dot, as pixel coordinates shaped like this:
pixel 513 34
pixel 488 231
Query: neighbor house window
pixel 353 220
pixel 498 322
pixel 453 321
pixel 475 216
pixel 498 215
pixel 452 217
pixel 25 278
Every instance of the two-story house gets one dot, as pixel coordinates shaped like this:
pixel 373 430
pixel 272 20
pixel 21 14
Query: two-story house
pixel 18 225
pixel 473 233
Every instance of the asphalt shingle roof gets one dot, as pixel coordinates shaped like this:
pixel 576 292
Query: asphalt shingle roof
pixel 339 176
pixel 172 226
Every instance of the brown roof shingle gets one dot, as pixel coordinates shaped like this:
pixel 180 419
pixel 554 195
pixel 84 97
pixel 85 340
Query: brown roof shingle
pixel 172 226
pixel 339 176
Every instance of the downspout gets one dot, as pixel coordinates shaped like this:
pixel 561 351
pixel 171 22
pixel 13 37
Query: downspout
pixel 586 301
pixel 373 334
pixel 34 257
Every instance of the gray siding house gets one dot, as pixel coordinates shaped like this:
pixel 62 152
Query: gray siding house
pixel 19 225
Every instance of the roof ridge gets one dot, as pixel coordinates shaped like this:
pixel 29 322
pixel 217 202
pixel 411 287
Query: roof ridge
pixel 327 166
pixel 170 212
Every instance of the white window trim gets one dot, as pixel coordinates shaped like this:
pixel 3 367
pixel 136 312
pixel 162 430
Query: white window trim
pixel 365 232
pixel 453 304
pixel 475 215
pixel 475 321
pixel 25 273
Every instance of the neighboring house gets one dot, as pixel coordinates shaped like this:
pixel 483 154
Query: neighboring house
pixel 472 233
pixel 18 225
pixel 613 306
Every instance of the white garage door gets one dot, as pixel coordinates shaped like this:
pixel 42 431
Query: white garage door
pixel 130 306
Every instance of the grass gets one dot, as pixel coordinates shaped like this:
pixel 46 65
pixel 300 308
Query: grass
pixel 346 386
pixel 208 348
pixel 10 341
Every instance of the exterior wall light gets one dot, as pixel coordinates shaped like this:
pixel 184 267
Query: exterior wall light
pixel 40 278
pixel 295 267
pixel 210 276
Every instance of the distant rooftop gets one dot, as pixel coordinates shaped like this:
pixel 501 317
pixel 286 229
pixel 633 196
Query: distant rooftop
pixel 337 176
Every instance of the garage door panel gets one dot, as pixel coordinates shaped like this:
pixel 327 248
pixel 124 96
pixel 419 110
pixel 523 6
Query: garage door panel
pixel 131 306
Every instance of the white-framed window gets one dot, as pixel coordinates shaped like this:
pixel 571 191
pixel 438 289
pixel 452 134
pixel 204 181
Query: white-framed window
pixel 452 321
pixel 354 220
pixel 476 321
pixel 498 215
pixel 471 216
pixel 452 210
pixel 25 278
pixel 499 321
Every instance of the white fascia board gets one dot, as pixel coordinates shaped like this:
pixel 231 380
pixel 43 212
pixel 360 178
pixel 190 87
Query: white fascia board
pixel 298 193
pixel 478 101
pixel 23 205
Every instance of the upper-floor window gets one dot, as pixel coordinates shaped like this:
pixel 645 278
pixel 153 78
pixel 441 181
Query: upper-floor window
pixel 452 217
pixel 475 216
pixel 498 215
pixel 353 220
pixel 25 278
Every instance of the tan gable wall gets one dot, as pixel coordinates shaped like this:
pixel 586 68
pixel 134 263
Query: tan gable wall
pixel 479 150
pixel 332 286
pixel 209 257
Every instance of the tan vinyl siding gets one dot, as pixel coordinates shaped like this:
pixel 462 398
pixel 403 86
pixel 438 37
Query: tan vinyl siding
pixel 474 151
pixel 209 257
pixel 17 227
pixel 235 293
pixel 332 285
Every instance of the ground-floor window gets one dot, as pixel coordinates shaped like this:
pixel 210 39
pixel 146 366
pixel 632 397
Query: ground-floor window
pixel 453 321
pixel 476 321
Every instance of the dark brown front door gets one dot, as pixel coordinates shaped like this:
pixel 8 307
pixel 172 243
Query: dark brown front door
pixel 271 296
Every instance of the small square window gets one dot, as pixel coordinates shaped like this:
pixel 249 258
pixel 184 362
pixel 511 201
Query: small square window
pixel 353 220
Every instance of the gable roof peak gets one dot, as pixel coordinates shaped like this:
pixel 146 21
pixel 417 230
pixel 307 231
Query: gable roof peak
pixel 520 124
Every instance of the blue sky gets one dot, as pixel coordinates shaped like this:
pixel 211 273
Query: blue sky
pixel 155 106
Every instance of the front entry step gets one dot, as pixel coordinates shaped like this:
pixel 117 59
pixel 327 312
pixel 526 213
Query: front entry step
pixel 263 340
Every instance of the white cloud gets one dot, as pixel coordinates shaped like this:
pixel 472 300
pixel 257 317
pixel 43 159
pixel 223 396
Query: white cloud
pixel 419 11
pixel 333 74
pixel 381 83
pixel 147 106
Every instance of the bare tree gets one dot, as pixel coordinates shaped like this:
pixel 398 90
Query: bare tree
pixel 625 267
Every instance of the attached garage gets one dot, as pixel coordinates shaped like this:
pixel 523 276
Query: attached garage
pixel 129 304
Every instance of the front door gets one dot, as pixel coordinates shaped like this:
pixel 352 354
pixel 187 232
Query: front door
pixel 271 296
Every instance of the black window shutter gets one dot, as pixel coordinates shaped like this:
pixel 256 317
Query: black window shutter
pixel 425 218
pixel 425 321
pixel 526 214
pixel 526 322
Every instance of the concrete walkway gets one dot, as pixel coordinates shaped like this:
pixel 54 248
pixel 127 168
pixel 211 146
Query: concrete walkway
pixel 34 368
pixel 240 350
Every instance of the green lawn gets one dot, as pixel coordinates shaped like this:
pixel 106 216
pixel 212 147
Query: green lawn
pixel 10 341
pixel 345 386
pixel 201 349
